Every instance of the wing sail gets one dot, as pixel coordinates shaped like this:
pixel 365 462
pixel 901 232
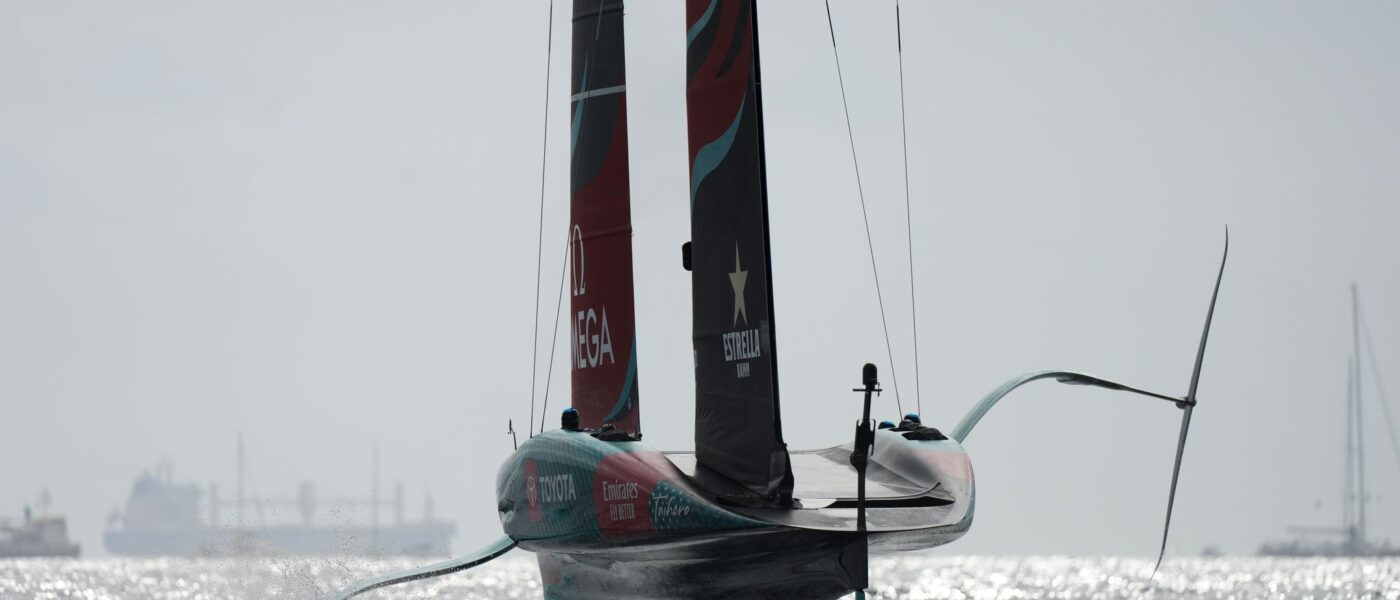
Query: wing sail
pixel 602 311
pixel 738 428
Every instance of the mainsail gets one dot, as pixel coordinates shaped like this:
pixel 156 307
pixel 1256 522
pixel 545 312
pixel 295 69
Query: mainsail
pixel 738 429
pixel 602 314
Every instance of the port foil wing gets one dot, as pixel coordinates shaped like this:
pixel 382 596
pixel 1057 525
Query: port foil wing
pixel 462 563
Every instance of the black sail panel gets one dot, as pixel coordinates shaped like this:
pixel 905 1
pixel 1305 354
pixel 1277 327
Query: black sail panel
pixel 738 429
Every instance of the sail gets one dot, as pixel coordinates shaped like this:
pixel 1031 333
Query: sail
pixel 602 313
pixel 738 429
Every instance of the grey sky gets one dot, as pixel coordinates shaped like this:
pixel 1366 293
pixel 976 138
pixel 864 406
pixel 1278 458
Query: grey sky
pixel 316 223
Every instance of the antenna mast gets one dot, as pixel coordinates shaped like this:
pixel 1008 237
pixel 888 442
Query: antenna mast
pixel 1349 473
pixel 374 500
pixel 1360 433
pixel 241 469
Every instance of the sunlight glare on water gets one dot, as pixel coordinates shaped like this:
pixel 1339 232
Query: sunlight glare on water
pixel 984 578
pixel 907 577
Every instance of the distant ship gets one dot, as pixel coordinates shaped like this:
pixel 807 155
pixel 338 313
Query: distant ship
pixel 164 518
pixel 1349 540
pixel 41 536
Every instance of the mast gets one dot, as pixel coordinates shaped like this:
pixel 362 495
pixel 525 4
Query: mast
pixel 738 425
pixel 398 503
pixel 214 505
pixel 374 501
pixel 1349 472
pixel 1360 431
pixel 602 311
pixel 241 469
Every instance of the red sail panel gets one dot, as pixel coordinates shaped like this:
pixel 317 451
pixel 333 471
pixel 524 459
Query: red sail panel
pixel 738 429
pixel 602 314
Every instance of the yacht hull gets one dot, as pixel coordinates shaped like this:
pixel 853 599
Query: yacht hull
pixel 619 519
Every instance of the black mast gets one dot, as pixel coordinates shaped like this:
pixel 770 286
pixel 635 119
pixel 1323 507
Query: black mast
pixel 738 425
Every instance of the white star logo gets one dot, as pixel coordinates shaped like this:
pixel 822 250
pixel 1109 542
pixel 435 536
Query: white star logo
pixel 737 279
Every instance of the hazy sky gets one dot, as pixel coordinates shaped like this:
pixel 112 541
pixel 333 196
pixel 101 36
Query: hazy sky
pixel 315 223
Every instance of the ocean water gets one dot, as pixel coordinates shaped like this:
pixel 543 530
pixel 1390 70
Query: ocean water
pixel 906 577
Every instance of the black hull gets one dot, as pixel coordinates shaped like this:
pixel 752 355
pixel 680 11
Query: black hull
pixel 786 564
pixel 776 562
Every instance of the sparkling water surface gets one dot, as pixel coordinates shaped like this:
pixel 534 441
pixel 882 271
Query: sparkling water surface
pixel 906 577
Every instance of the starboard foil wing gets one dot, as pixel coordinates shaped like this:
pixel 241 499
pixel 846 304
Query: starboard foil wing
pixel 1190 404
pixel 1187 403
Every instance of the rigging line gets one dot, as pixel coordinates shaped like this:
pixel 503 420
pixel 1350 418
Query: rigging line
pixel 598 29
pixel 568 239
pixel 851 136
pixel 1380 387
pixel 558 308
pixel 539 245
pixel 908 219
